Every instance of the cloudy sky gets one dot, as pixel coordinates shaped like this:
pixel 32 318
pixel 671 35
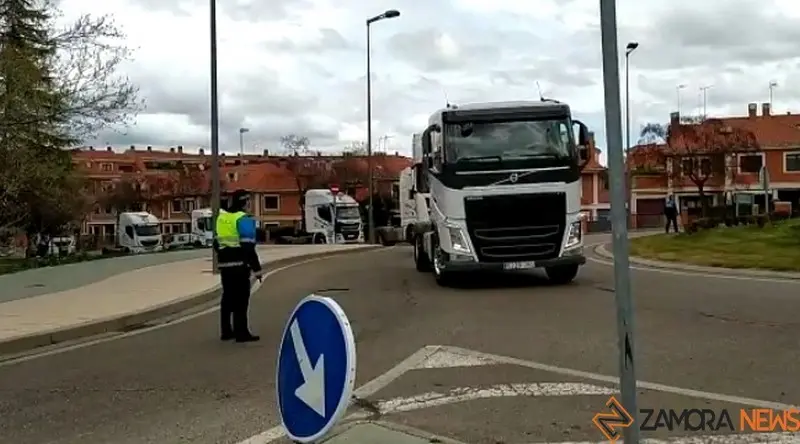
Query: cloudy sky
pixel 297 66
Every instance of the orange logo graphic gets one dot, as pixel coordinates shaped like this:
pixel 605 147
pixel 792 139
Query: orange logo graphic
pixel 611 423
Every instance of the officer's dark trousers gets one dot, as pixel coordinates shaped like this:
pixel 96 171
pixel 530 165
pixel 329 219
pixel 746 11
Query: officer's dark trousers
pixel 235 301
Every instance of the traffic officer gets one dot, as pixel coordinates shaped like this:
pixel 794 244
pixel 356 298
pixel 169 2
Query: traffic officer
pixel 235 243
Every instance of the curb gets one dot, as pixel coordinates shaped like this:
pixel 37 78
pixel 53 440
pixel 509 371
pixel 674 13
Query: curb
pixel 602 251
pixel 130 321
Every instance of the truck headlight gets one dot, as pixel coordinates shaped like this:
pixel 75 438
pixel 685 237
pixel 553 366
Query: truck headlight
pixel 457 240
pixel 574 235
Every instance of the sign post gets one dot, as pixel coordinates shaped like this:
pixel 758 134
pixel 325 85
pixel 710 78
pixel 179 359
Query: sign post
pixel 619 213
pixel 316 369
pixel 334 192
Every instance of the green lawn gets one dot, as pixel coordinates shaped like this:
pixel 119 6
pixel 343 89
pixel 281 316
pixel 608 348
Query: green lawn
pixel 774 247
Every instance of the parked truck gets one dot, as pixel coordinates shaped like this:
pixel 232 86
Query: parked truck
pixel 202 230
pixel 332 218
pixel 139 232
pixel 504 185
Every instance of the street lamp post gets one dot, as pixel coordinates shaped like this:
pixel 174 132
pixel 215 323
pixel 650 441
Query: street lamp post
pixel 241 139
pixel 392 13
pixel 629 180
pixel 215 185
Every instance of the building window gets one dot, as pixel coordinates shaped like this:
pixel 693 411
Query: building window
pixel 751 163
pixel 189 205
pixel 271 203
pixel 791 162
pixel 177 206
pixel 107 167
pixel 699 166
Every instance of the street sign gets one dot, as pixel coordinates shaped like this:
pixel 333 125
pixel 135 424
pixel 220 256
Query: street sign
pixel 335 189
pixel 316 368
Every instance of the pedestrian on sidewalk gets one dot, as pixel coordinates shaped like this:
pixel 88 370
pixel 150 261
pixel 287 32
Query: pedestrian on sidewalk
pixel 671 213
pixel 235 244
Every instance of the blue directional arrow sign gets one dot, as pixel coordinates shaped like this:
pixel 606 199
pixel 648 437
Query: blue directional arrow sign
pixel 316 368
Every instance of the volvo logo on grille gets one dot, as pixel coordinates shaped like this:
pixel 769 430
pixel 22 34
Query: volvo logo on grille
pixel 513 178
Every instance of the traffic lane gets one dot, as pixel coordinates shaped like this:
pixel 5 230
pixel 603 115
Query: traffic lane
pixel 729 336
pixel 181 384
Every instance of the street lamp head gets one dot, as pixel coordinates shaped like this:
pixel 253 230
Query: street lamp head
pixel 632 45
pixel 391 13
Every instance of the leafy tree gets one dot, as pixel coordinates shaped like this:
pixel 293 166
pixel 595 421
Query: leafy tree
pixel 57 86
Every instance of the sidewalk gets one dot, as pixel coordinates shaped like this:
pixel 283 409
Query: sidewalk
pixel 128 299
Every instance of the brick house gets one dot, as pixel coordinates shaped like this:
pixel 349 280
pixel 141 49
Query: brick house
pixel 778 140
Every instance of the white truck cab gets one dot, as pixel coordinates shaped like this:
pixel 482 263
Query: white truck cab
pixel 414 203
pixel 202 231
pixel 139 232
pixel 504 184
pixel 333 219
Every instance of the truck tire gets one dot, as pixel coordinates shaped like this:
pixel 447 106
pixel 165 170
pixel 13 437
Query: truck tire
pixel 318 238
pixel 562 274
pixel 420 257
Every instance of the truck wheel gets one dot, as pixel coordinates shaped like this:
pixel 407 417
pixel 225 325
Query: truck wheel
pixel 562 274
pixel 318 238
pixel 443 278
pixel 420 257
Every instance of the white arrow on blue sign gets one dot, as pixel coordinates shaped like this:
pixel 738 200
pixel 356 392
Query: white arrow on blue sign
pixel 316 368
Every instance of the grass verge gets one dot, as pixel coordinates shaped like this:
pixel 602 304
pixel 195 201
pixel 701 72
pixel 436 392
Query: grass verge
pixel 773 247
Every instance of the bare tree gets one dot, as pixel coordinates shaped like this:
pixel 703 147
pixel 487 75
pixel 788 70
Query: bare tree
pixel 356 147
pixel 297 145
pixel 87 71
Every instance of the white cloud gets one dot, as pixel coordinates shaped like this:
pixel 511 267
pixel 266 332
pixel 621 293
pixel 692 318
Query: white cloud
pixel 297 66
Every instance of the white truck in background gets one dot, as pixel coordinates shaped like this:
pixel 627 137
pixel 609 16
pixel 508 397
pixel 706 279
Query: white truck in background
pixel 139 232
pixel 413 202
pixel 504 184
pixel 332 219
pixel 202 232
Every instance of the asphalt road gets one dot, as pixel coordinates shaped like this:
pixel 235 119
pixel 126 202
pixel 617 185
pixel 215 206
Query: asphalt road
pixel 180 384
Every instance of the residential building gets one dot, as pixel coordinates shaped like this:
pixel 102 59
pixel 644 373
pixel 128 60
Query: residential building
pixel 178 182
pixel 777 149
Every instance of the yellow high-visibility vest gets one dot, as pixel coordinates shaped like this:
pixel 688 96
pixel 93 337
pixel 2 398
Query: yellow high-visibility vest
pixel 227 232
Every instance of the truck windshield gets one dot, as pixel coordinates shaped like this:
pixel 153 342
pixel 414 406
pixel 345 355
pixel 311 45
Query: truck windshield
pixel 204 224
pixel 347 212
pixel 497 141
pixel 147 230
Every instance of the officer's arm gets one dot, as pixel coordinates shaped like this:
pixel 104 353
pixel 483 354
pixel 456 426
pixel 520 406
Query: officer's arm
pixel 247 238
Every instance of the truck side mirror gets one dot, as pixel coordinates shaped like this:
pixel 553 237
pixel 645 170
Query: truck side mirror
pixel 584 142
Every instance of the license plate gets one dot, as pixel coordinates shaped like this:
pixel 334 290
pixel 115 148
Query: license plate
pixel 519 265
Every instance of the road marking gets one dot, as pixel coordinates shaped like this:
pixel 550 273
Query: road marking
pixel 111 336
pixel 463 394
pixel 615 380
pixel 447 359
pixel 422 358
pixel 692 273
pixel 736 438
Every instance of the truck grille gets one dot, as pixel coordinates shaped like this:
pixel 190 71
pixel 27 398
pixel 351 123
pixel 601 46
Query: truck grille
pixel 525 227
pixel 149 243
